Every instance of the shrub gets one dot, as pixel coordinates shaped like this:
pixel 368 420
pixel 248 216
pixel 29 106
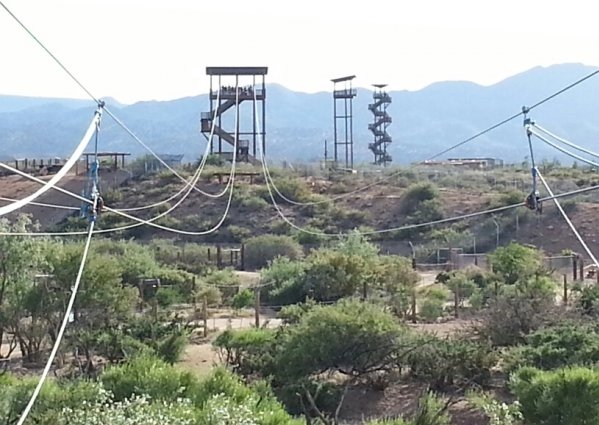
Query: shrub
pixel 243 299
pixel 434 301
pixel 431 309
pixel 589 300
pixel 168 296
pixel 415 194
pixel 55 396
pixel 563 345
pixel 171 348
pixel 261 250
pixel 137 410
pixel 442 363
pixel 561 397
pixel 248 351
pixel 149 376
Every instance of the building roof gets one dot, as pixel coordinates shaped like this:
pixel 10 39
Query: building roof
pixel 236 70
pixel 340 80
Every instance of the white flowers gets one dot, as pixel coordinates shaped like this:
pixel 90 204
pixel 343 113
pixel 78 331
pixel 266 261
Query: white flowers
pixel 134 411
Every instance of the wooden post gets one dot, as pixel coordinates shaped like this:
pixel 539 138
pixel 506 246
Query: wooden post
pixel 574 268
pixel 219 257
pixel 194 289
pixel 364 291
pixel 231 259
pixel 413 305
pixel 208 254
pixel 565 289
pixel 257 307
pixel 581 269
pixel 205 316
pixel 242 253
pixel 456 300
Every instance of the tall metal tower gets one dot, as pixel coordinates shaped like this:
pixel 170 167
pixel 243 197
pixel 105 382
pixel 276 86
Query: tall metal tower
pixel 235 85
pixel 344 121
pixel 382 120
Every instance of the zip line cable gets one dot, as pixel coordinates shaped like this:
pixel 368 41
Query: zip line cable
pixel 155 155
pixel 570 224
pixel 37 40
pixel 564 141
pixel 477 135
pixel 136 219
pixel 192 183
pixel 65 321
pixel 431 223
pixel 198 172
pixel 457 145
pixel 267 179
pixel 563 150
pixel 42 204
pixel 97 101
pixel 61 173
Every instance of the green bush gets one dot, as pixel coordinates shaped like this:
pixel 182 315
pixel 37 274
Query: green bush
pixel 589 299
pixel 415 194
pixel 563 345
pixel 243 299
pixel 442 363
pixel 560 397
pixel 171 348
pixel 248 351
pixel 166 297
pixel 55 396
pixel 261 250
pixel 431 309
pixel 149 376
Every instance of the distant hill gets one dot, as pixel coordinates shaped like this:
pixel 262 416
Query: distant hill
pixel 424 121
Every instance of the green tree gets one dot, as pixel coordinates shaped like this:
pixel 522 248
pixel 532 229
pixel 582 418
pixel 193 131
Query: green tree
pixel 21 259
pixel 516 262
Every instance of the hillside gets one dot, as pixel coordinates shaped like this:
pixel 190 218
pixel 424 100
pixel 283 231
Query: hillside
pixel 424 121
pixel 387 205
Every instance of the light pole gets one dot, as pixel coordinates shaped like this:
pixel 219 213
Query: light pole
pixel 497 232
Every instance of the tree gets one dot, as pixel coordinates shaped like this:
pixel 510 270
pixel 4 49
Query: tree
pixel 21 259
pixel 516 262
pixel 351 338
pixel 331 275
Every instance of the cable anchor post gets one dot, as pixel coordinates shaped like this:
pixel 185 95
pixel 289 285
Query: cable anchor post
pixel 533 199
pixel 97 203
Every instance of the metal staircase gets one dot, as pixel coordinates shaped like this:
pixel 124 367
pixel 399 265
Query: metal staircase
pixel 379 127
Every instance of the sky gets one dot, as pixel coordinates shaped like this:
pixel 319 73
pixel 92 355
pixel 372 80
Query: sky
pixel 137 50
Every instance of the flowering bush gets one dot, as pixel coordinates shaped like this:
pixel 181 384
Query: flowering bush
pixel 134 411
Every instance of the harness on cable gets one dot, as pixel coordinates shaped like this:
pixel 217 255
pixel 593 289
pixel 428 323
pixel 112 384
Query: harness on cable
pixel 532 201
pixel 92 210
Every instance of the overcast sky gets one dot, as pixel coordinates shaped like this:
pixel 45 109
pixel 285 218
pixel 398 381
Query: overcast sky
pixel 150 49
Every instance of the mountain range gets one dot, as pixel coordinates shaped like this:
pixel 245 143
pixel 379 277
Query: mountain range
pixel 425 121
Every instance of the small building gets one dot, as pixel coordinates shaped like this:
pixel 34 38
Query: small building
pixel 470 163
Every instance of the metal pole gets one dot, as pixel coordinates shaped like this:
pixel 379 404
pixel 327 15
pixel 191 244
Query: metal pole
pixel 335 120
pixel 497 232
